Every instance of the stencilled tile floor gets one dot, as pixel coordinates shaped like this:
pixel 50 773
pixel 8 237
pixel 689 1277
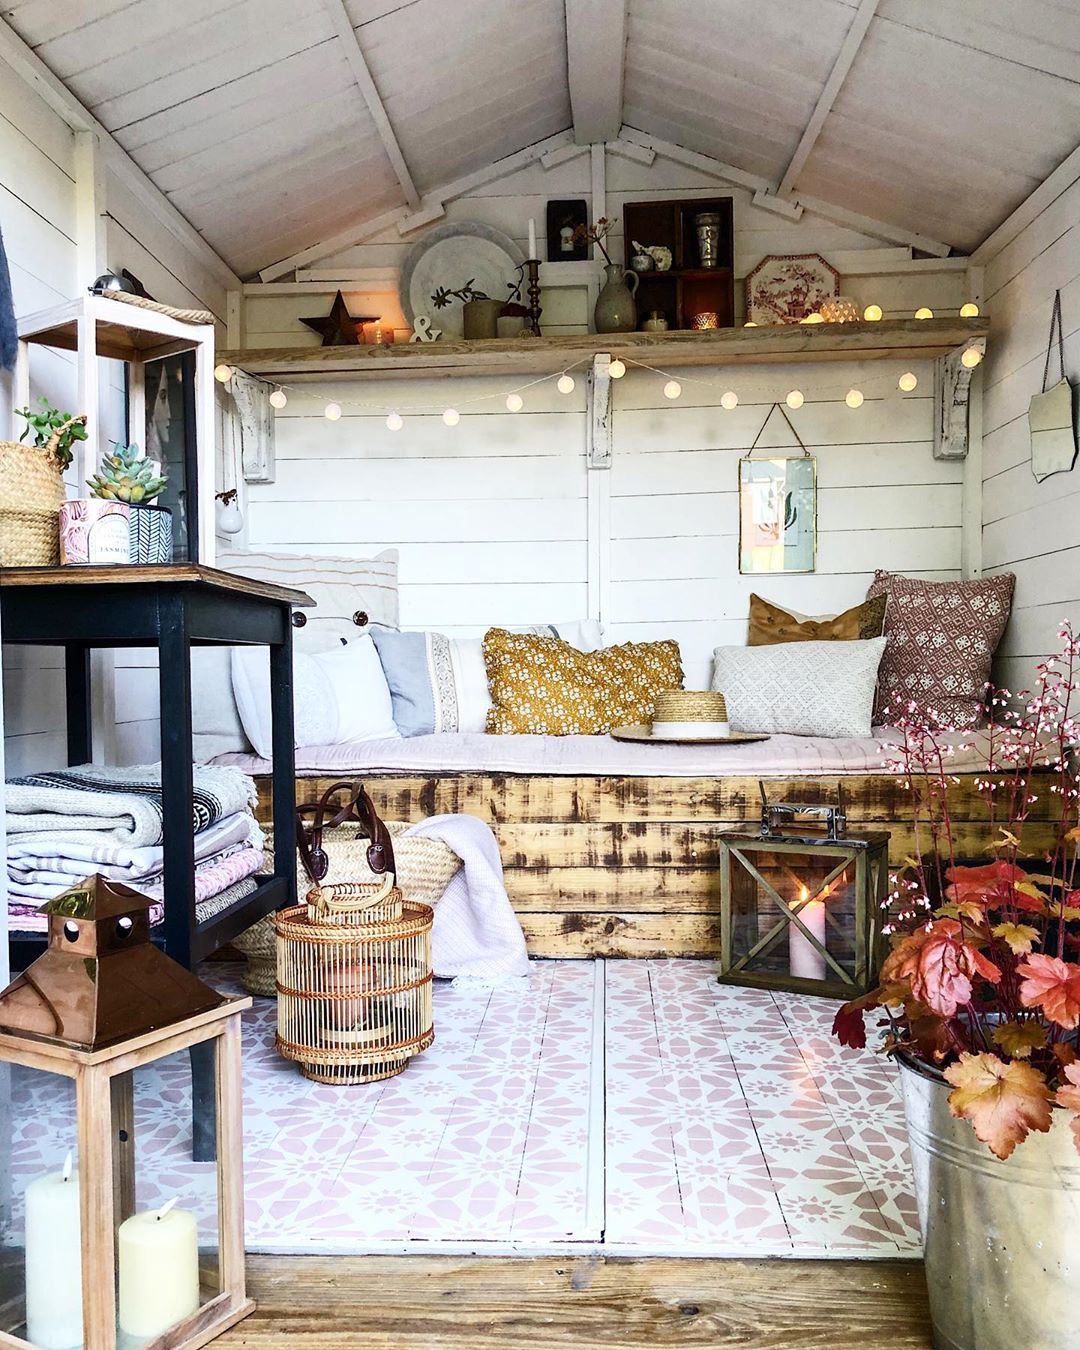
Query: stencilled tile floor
pixel 634 1107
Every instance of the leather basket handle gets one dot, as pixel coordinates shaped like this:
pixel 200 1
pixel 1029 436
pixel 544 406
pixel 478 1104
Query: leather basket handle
pixel 326 815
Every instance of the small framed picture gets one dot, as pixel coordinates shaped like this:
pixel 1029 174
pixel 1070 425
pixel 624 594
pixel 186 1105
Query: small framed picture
pixel 566 220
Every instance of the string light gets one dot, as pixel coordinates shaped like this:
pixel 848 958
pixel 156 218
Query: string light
pixel 908 381
pixel 853 398
pixel 795 399
pixel 514 403
pixel 332 412
pixel 872 313
pixel 223 373
pixel 749 324
pixel 924 312
pixel 729 400
pixel 672 389
pixel 617 369
pixel 813 318
pixel 451 417
pixel 565 384
pixel 970 357
pixel 970 310
pixel 394 422
pixel 278 398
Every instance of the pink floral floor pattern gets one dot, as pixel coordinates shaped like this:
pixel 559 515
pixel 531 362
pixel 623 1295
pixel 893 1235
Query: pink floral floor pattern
pixel 633 1107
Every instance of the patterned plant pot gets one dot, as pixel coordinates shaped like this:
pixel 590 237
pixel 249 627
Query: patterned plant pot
pixel 151 534
pixel 94 531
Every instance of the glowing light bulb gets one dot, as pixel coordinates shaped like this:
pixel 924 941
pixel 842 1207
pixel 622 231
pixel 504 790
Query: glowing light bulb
pixel 672 389
pixel 970 357
pixel 749 324
pixel 970 310
pixel 223 373
pixel 617 369
pixel 908 381
pixel 729 400
pixel 872 313
pixel 278 399
pixel 854 398
pixel 451 417
pixel 924 312
pixel 394 422
pixel 332 412
pixel 813 318
pixel 795 399
pixel 565 384
pixel 514 403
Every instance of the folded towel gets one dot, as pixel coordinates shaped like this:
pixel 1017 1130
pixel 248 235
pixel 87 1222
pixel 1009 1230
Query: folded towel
pixel 26 919
pixel 476 932
pixel 91 803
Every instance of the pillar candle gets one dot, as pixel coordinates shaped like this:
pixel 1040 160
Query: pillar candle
pixel 159 1270
pixel 532 238
pixel 806 962
pixel 54 1314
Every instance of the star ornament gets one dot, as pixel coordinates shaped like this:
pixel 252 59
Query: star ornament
pixel 339 328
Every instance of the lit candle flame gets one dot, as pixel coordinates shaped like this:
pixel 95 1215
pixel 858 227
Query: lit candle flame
pixel 68 1162
pixel 166 1207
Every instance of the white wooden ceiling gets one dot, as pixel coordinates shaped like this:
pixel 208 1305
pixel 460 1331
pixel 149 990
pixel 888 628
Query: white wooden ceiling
pixel 274 124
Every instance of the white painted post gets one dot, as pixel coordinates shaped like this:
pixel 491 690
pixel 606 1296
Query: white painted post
pixel 598 454
pixel 206 441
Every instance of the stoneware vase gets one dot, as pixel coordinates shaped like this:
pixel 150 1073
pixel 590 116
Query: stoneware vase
pixel 480 318
pixel 151 535
pixel 615 310
pixel 1002 1239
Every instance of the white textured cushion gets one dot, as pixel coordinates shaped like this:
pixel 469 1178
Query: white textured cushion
pixel 340 695
pixel 800 688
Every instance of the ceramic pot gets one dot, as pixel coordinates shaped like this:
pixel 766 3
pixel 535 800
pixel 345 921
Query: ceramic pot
pixel 615 310
pixel 510 325
pixel 1002 1239
pixel 481 318
pixel 151 535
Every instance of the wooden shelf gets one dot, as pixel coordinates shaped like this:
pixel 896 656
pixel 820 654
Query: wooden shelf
pixel 889 339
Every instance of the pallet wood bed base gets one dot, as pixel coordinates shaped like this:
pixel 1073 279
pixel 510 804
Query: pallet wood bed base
pixel 628 867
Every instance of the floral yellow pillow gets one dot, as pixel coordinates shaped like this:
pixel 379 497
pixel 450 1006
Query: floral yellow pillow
pixel 543 686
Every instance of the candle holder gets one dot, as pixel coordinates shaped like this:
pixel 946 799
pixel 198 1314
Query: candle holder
pixel 533 292
pixel 801 903
pixel 99 1252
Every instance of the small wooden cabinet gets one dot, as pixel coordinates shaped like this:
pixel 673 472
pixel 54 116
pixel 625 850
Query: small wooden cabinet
pixel 688 289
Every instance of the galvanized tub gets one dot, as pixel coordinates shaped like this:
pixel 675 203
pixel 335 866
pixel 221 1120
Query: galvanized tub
pixel 1002 1239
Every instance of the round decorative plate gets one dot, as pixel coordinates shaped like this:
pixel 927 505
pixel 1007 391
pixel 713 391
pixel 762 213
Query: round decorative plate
pixel 449 256
pixel 644 733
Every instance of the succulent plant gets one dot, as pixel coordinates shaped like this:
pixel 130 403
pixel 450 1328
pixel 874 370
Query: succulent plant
pixel 127 475
pixel 50 419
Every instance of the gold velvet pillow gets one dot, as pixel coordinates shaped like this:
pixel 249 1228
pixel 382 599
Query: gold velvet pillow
pixel 769 624
pixel 543 686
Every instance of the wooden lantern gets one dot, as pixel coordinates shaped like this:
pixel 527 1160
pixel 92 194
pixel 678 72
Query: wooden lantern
pixel 87 1268
pixel 801 907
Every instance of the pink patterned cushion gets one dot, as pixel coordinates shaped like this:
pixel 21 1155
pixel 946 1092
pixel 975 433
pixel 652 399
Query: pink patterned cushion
pixel 941 639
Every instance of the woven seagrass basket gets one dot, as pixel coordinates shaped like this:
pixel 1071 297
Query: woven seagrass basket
pixel 31 494
pixel 690 705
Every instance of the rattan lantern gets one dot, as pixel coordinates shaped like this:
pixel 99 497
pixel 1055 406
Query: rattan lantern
pixel 801 904
pixel 106 1254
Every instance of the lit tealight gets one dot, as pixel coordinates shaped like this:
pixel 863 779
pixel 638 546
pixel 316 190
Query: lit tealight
pixel 278 399
pixel 908 381
pixel 970 310
pixel 394 422
pixel 617 369
pixel 729 400
pixel 451 417
pixel 970 357
pixel 749 324
pixel 872 313
pixel 332 412
pixel 565 384
pixel 795 399
pixel 854 398
pixel 924 312
pixel 514 403
pixel 223 373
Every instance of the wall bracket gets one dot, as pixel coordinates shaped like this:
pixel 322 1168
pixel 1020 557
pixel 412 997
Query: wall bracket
pixel 952 391
pixel 599 429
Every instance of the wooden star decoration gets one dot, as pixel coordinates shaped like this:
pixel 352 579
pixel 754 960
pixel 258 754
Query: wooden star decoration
pixel 339 328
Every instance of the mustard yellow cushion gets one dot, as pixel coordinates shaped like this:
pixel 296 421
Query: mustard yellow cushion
pixel 543 686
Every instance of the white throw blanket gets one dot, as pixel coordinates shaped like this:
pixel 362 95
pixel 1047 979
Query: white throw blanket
pixel 476 932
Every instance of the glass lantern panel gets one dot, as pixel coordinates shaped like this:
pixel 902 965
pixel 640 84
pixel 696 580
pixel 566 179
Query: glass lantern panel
pixel 764 937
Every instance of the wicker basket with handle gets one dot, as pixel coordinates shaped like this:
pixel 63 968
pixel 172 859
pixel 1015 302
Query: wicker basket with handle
pixel 31 494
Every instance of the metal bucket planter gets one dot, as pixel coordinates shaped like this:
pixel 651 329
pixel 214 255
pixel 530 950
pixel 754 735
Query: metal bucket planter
pixel 1002 1239
pixel 151 534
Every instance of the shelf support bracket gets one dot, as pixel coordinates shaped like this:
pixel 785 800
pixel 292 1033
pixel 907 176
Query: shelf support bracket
pixel 952 393
pixel 599 433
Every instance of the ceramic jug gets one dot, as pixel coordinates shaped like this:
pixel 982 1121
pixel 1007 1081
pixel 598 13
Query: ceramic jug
pixel 616 311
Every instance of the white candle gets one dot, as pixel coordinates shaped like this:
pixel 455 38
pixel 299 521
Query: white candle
pixel 54 1317
pixel 532 238
pixel 807 963
pixel 159 1270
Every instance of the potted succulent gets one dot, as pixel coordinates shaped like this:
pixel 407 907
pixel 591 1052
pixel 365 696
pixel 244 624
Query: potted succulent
pixel 981 1003
pixel 479 313
pixel 127 476
pixel 32 485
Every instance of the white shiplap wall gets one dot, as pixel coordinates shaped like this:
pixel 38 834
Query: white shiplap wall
pixel 1030 528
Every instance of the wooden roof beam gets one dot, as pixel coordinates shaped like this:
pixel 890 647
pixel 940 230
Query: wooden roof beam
pixel 845 59
pixel 1029 210
pixel 595 63
pixel 354 54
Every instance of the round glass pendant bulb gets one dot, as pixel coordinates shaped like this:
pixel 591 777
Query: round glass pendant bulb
pixel 394 422
pixel 451 417
pixel 924 312
pixel 854 398
pixel 970 310
pixel 278 399
pixel 795 399
pixel 672 389
pixel 729 400
pixel 872 313
pixel 514 403
pixel 223 373
pixel 617 369
pixel 565 384
pixel 908 381
pixel 332 412
pixel 970 357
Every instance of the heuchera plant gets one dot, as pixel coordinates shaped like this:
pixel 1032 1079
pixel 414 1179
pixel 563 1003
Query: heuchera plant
pixel 983 979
